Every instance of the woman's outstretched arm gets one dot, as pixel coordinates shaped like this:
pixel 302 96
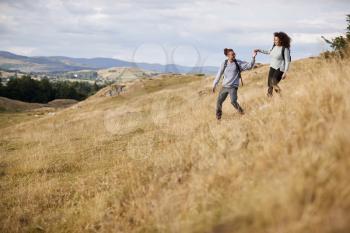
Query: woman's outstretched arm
pixel 263 51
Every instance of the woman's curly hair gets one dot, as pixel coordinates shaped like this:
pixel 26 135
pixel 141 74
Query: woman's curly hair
pixel 284 38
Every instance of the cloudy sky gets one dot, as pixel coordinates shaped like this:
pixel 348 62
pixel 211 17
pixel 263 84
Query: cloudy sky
pixel 161 31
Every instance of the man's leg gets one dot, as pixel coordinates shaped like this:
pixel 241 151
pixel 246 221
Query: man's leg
pixel 221 98
pixel 233 96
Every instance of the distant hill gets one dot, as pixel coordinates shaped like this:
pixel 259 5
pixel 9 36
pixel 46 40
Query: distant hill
pixel 11 61
pixel 124 73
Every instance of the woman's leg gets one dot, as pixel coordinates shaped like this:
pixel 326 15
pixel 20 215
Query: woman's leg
pixel 221 98
pixel 277 76
pixel 270 82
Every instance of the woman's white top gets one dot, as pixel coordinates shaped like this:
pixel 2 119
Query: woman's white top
pixel 277 61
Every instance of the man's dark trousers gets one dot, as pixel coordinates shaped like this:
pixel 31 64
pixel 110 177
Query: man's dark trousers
pixel 224 91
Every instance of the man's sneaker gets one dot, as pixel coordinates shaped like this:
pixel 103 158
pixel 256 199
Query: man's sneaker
pixel 218 115
pixel 240 111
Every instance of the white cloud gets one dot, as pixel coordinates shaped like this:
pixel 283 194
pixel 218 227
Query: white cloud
pixel 308 38
pixel 117 28
pixel 26 51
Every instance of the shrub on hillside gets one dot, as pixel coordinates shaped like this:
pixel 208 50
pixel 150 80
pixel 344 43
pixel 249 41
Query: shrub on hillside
pixel 43 91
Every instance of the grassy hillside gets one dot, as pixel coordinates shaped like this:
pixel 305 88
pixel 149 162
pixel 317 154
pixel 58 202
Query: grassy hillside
pixel 155 159
pixel 15 111
pixel 124 73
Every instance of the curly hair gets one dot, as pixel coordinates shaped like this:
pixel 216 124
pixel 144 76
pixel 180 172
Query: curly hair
pixel 226 51
pixel 284 38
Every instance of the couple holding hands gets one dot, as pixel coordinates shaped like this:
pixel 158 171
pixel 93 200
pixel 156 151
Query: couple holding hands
pixel 232 68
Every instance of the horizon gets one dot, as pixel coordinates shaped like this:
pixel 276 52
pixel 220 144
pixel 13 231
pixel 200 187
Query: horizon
pixel 177 32
pixel 105 58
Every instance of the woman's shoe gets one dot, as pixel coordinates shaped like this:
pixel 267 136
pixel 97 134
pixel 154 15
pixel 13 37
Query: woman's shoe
pixel 277 89
pixel 269 92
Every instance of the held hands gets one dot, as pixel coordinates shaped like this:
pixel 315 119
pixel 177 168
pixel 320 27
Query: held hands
pixel 255 52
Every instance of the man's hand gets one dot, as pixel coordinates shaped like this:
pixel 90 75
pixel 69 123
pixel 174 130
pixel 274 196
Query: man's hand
pixel 213 90
pixel 255 53
pixel 284 75
pixel 256 50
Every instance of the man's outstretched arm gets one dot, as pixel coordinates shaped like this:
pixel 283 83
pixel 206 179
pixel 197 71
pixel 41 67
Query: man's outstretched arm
pixel 247 65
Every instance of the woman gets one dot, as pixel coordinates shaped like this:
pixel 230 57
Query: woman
pixel 280 60
pixel 231 68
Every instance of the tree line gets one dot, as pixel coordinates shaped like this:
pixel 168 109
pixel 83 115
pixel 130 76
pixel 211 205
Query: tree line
pixel 339 44
pixel 42 91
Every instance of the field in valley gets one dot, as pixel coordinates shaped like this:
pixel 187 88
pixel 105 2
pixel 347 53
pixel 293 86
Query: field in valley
pixel 154 159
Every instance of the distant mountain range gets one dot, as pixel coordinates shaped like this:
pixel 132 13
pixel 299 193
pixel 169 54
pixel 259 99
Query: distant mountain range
pixel 54 64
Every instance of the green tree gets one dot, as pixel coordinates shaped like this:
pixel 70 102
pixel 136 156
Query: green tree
pixel 1 89
pixel 339 43
pixel 348 27
pixel 43 91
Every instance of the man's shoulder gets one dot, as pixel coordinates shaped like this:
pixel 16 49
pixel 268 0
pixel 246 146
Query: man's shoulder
pixel 223 63
pixel 239 61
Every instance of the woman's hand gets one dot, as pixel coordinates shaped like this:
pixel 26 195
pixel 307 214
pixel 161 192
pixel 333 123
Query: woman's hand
pixel 284 75
pixel 255 53
pixel 213 90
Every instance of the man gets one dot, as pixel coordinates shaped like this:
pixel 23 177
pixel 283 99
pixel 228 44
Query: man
pixel 231 69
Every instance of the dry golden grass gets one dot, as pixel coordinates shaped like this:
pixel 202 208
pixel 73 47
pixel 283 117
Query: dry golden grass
pixel 156 160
